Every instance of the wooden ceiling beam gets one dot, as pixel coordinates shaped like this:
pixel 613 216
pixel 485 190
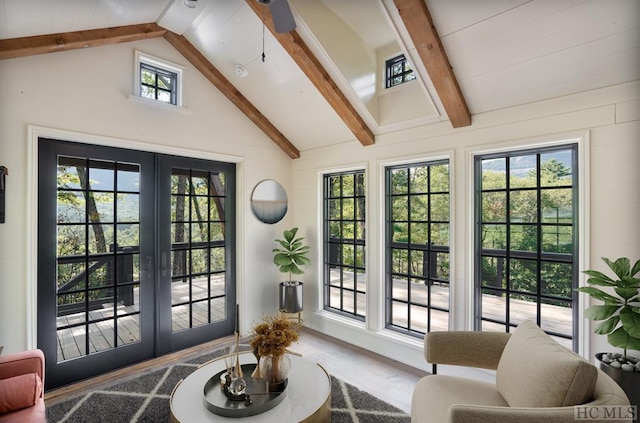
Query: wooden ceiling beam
pixel 210 72
pixel 417 20
pixel 40 44
pixel 317 74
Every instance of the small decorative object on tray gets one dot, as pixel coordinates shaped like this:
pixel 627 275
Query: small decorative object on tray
pixel 255 399
pixel 232 382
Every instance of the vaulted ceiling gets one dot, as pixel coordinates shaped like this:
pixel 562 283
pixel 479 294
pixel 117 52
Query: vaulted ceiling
pixel 322 84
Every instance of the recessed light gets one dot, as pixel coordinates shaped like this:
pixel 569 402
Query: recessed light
pixel 241 71
pixel 191 4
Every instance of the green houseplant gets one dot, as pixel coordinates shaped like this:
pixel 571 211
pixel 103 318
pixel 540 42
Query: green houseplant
pixel 619 318
pixel 290 258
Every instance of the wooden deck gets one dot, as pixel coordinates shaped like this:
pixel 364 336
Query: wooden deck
pixel 554 318
pixel 71 342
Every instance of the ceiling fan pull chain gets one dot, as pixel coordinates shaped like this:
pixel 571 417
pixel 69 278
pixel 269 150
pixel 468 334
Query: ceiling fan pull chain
pixel 263 55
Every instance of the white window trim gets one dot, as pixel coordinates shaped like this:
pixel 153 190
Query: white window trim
pixel 141 57
pixel 382 166
pixel 33 134
pixel 582 139
pixel 320 250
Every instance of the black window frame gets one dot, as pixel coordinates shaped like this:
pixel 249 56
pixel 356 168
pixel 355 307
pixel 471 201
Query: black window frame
pixel 398 70
pixel 156 87
pixel 430 252
pixel 539 256
pixel 334 243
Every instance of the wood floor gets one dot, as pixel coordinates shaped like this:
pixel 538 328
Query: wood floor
pixel 382 377
pixel 386 379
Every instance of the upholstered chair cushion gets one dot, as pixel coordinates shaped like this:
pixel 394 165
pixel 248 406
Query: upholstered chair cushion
pixel 19 392
pixel 536 371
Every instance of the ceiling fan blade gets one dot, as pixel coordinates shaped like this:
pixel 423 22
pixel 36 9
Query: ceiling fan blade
pixel 282 16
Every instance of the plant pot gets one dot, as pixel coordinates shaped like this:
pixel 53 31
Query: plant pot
pixel 628 381
pixel 291 296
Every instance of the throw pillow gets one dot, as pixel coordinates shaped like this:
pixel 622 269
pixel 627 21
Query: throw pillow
pixel 536 371
pixel 19 392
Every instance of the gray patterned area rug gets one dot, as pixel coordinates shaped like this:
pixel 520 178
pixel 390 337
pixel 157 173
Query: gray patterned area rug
pixel 145 398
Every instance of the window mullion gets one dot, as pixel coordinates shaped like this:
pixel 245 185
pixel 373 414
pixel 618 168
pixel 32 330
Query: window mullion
pixel 539 256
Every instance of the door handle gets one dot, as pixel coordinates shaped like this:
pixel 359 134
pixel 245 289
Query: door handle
pixel 163 264
pixel 3 173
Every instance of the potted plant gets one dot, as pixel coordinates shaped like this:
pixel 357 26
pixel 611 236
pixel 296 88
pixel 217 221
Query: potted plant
pixel 619 318
pixel 289 258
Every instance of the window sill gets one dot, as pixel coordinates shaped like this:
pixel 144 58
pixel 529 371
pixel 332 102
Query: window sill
pixel 398 88
pixel 159 105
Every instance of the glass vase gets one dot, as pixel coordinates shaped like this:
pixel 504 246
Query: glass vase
pixel 275 368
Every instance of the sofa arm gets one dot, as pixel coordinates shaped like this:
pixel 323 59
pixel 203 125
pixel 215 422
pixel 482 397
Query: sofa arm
pixel 459 413
pixel 465 348
pixel 17 364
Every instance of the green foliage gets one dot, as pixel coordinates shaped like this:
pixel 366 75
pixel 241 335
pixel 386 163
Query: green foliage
pixel 552 169
pixel 292 254
pixel 419 217
pixel 620 313
pixel 512 221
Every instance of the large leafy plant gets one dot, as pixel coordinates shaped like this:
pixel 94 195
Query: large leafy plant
pixel 292 254
pixel 620 313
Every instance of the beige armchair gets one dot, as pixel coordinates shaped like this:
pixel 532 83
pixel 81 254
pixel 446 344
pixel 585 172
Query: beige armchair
pixel 536 380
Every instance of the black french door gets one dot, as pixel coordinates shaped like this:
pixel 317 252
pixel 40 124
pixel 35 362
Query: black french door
pixel 135 256
pixel 196 248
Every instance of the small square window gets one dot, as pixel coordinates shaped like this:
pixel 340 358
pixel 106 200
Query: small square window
pixel 398 71
pixel 158 80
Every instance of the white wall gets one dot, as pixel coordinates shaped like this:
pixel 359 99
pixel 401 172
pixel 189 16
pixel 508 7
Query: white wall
pixel 355 59
pixel 609 118
pixel 86 92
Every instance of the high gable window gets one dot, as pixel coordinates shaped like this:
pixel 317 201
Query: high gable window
pixel 398 71
pixel 158 80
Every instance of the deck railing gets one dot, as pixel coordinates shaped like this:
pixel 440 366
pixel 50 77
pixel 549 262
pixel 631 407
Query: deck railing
pixel 118 272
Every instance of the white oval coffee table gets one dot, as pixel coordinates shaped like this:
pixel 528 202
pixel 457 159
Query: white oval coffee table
pixel 308 395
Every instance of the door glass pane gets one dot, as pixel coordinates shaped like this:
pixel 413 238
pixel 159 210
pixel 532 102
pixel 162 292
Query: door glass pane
pixel 70 207
pixel 198 248
pixel 100 336
pixel 128 177
pixel 92 246
pixel 199 288
pixel 128 329
pixel 218 309
pixel 104 207
pixel 128 207
pixel 101 175
pixel 71 342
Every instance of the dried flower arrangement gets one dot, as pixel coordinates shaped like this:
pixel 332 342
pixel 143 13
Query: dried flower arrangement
pixel 274 335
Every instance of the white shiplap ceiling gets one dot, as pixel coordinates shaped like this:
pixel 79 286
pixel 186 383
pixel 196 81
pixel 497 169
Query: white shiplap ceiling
pixel 503 52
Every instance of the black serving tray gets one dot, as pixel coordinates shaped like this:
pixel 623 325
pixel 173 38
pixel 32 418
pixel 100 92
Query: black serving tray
pixel 262 399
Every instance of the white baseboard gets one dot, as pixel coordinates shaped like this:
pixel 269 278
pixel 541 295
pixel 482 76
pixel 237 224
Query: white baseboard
pixel 387 343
